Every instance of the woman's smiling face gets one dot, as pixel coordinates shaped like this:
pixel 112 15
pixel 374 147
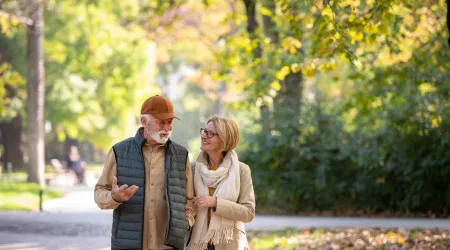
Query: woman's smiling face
pixel 210 140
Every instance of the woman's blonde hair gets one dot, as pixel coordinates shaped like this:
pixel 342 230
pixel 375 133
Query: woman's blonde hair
pixel 227 130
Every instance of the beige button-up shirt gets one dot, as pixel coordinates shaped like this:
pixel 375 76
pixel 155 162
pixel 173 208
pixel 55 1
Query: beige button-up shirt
pixel 155 215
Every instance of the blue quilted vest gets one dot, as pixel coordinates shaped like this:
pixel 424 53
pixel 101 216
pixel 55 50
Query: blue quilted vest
pixel 128 218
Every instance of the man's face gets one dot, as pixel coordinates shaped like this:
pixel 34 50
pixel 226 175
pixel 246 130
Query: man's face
pixel 159 130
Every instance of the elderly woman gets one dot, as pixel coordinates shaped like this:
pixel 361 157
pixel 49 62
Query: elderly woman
pixel 224 190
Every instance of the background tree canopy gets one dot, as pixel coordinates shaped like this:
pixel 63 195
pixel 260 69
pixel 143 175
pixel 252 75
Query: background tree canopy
pixel 343 105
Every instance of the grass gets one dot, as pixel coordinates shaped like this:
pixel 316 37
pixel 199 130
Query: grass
pixel 393 238
pixel 15 177
pixel 17 194
pixel 23 196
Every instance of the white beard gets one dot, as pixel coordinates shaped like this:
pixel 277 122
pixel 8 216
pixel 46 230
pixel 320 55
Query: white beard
pixel 157 136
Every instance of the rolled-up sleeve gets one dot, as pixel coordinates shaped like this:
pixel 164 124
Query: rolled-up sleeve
pixel 102 193
pixel 244 209
pixel 190 193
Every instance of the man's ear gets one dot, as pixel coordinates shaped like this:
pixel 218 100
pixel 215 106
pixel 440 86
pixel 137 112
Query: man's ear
pixel 143 121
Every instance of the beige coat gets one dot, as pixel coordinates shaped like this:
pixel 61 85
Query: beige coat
pixel 242 211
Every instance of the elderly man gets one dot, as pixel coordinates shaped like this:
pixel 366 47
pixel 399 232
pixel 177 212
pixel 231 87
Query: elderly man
pixel 147 180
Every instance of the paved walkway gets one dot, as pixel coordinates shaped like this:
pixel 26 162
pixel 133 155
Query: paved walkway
pixel 75 222
pixel 91 230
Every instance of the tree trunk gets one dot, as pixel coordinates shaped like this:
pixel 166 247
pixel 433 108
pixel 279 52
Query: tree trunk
pixel 12 142
pixel 35 91
pixel 269 25
pixel 448 21
pixel 293 94
pixel 252 26
pixel 287 101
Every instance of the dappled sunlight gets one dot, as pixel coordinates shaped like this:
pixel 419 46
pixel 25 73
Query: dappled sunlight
pixel 350 239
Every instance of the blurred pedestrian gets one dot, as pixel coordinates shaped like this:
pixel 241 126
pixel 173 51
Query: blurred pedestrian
pixel 75 164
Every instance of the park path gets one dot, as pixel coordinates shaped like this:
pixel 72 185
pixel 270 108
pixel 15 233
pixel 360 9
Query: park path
pixel 75 222
pixel 58 230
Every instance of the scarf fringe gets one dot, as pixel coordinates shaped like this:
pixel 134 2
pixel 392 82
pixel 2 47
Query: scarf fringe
pixel 223 235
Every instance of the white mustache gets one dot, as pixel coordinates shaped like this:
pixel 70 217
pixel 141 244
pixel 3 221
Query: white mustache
pixel 164 132
pixel 157 136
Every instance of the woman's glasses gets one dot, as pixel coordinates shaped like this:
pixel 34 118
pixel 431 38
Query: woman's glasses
pixel 208 133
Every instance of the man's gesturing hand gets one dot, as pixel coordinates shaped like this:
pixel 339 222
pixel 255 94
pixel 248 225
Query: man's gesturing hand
pixel 122 193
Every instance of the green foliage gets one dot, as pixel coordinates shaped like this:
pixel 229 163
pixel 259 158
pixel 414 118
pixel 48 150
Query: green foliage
pixel 12 92
pixel 372 131
pixel 95 69
pixel 321 166
pixel 374 135
pixel 12 72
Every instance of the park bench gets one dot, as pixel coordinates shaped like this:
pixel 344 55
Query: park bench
pixel 58 175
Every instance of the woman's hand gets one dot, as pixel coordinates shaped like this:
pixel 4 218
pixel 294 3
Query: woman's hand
pixel 205 201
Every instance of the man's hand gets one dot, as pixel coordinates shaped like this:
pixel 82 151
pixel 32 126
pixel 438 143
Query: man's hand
pixel 205 201
pixel 188 209
pixel 122 193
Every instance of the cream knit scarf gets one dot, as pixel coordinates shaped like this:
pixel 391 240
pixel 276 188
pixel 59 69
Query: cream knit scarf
pixel 226 181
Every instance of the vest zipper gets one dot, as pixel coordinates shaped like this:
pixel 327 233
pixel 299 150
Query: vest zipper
pixel 167 192
pixel 143 190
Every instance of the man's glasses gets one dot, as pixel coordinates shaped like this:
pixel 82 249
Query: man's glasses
pixel 208 133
